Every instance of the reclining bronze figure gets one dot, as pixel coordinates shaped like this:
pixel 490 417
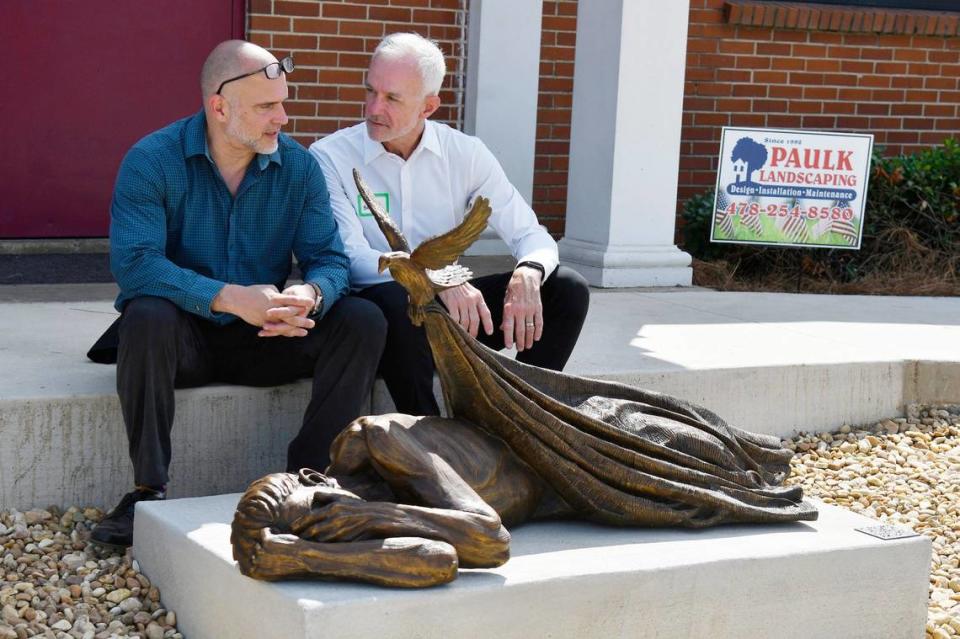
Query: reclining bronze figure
pixel 407 500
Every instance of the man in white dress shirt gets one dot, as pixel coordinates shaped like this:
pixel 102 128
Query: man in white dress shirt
pixel 425 175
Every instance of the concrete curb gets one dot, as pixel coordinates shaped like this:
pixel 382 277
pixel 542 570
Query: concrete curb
pixel 72 449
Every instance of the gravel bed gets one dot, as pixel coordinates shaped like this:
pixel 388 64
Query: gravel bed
pixel 55 584
pixel 903 471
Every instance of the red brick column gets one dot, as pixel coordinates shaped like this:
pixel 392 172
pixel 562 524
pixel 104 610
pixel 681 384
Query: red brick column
pixel 557 48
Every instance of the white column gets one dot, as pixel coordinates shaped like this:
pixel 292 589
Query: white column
pixel 625 143
pixel 503 76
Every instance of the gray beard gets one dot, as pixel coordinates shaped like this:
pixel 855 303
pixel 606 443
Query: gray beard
pixel 254 144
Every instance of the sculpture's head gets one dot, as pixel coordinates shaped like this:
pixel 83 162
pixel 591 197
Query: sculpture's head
pixel 259 508
pixel 389 259
pixel 275 501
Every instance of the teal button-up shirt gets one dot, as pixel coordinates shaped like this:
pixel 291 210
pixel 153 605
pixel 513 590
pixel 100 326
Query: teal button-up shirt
pixel 177 233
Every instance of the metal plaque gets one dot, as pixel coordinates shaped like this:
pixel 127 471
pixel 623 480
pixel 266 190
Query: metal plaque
pixel 886 531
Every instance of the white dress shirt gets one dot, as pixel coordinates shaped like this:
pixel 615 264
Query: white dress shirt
pixel 426 195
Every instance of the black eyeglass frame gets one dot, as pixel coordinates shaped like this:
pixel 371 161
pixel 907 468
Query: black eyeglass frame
pixel 283 66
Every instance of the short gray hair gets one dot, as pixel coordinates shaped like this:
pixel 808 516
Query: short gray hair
pixel 425 53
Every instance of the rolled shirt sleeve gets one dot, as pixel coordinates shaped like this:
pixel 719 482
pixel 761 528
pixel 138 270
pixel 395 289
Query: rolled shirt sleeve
pixel 511 217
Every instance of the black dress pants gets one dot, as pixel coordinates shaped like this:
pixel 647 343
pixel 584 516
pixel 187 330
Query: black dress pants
pixel 407 365
pixel 162 347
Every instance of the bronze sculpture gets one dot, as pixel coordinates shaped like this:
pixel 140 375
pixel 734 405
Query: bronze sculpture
pixel 406 500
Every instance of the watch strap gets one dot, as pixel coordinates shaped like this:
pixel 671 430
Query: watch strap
pixel 318 305
pixel 534 265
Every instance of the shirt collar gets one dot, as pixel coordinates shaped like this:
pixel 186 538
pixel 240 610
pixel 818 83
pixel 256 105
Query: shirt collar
pixel 371 148
pixel 195 142
pixel 430 141
pixel 195 135
pixel 263 159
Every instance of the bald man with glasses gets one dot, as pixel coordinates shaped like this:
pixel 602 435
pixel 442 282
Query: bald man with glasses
pixel 205 215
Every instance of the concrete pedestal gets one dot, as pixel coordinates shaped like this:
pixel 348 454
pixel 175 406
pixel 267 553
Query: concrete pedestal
pixel 565 579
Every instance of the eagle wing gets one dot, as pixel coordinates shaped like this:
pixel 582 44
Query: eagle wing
pixel 449 276
pixel 389 228
pixel 441 250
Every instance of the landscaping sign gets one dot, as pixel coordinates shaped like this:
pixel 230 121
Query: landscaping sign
pixel 791 188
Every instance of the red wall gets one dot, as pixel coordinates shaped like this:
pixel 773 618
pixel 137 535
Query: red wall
pixel 83 81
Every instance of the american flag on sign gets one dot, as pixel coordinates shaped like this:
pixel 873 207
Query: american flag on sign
pixel 822 226
pixel 844 228
pixel 722 219
pixel 752 222
pixel 794 228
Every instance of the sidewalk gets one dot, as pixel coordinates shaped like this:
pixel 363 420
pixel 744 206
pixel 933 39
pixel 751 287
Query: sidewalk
pixel 768 362
pixel 629 332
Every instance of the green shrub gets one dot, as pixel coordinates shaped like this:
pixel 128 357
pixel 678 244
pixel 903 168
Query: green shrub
pixel 911 223
pixel 697 216
pixel 920 192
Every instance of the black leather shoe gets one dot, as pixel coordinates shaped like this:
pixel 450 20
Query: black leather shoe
pixel 116 529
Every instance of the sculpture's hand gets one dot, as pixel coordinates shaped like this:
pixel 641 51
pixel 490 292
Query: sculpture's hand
pixel 349 520
pixel 467 308
pixel 522 309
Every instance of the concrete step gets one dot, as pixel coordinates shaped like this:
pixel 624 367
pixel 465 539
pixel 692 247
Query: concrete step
pixel 816 580
pixel 765 362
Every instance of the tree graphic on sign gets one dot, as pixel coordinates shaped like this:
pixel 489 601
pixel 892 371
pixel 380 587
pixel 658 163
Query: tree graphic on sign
pixel 747 157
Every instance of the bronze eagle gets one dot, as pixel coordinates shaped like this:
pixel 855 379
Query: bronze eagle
pixel 432 266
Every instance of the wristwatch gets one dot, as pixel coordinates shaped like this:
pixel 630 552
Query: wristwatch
pixel 318 305
pixel 533 265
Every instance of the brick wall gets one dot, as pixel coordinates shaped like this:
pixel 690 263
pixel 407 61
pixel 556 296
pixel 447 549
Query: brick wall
pixel 331 43
pixel 838 73
pixel 551 159
pixel 845 71
pixel 848 70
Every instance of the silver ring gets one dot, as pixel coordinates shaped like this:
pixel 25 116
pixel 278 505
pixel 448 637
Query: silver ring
pixel 529 323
